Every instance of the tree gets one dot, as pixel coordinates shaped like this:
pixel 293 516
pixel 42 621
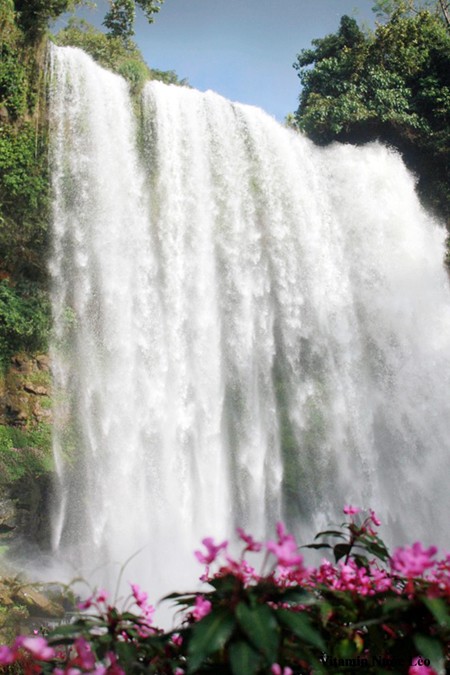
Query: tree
pixel 120 19
pixel 33 15
pixel 386 8
pixel 392 85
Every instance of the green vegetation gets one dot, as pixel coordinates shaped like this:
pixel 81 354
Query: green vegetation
pixel 120 19
pixel 33 16
pixel 24 319
pixel 392 85
pixel 113 52
pixel 25 452
pixel 24 184
pixel 363 611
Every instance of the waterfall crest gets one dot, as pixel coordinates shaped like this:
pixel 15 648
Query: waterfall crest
pixel 247 328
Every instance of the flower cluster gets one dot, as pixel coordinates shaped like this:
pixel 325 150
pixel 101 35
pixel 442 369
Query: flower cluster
pixel 283 619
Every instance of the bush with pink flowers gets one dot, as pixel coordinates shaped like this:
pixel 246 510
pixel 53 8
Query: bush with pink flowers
pixel 365 611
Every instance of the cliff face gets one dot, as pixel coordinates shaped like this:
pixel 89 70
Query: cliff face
pixel 25 450
pixel 25 381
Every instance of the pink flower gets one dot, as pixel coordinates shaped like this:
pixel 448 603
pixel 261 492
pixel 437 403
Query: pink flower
pixel 114 668
pixel 252 545
pixel 87 658
pixel 212 551
pixel 148 612
pixel 37 646
pixel 139 596
pixel 102 595
pixel 85 604
pixel 144 630
pixel 179 671
pixel 412 561
pixel 373 517
pixel 177 639
pixel 285 549
pixel 240 569
pixel 7 655
pixel 276 670
pixel 202 608
pixel 351 510
pixel 418 667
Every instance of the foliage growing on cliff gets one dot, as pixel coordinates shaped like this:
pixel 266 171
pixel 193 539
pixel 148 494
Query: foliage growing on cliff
pixel 33 16
pixel 24 185
pixel 24 452
pixel 114 53
pixel 365 611
pixel 24 319
pixel 393 85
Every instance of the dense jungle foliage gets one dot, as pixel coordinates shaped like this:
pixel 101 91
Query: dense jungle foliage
pixel 24 176
pixel 24 185
pixel 392 84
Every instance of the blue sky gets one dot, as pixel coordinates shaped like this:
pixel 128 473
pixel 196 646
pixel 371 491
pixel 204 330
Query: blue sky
pixel 243 49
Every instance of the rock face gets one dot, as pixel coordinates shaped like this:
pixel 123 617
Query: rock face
pixel 25 450
pixel 26 606
pixel 25 391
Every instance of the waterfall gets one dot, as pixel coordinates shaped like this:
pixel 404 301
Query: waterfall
pixel 247 328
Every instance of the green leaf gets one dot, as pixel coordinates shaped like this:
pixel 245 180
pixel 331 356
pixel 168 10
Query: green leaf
pixel 259 624
pixel 125 651
pixel 326 612
pixel 346 649
pixel 432 649
pixel 208 636
pixel 297 596
pixel 394 604
pixel 377 548
pixel 243 658
pixel 341 550
pixel 318 546
pixel 438 608
pixel 330 533
pixel 69 629
pixel 179 596
pixel 300 624
pixel 227 583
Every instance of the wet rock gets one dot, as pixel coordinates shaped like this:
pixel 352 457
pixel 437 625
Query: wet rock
pixel 38 604
pixel 43 362
pixel 8 515
pixel 25 391
pixel 39 390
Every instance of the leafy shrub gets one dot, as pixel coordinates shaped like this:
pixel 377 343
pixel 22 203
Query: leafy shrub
pixel 113 52
pixel 24 319
pixel 365 611
pixel 13 82
pixel 24 452
pixel 392 85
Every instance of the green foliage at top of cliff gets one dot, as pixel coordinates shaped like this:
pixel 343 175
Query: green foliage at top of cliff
pixel 32 16
pixel 24 183
pixel 113 52
pixel 392 84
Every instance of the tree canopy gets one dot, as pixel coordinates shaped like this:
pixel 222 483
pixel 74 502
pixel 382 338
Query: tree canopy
pixel 120 19
pixel 392 84
pixel 34 15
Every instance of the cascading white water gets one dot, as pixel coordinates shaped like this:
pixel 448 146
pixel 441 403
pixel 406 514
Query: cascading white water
pixel 247 327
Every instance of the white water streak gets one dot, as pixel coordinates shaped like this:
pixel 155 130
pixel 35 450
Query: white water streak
pixel 247 327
